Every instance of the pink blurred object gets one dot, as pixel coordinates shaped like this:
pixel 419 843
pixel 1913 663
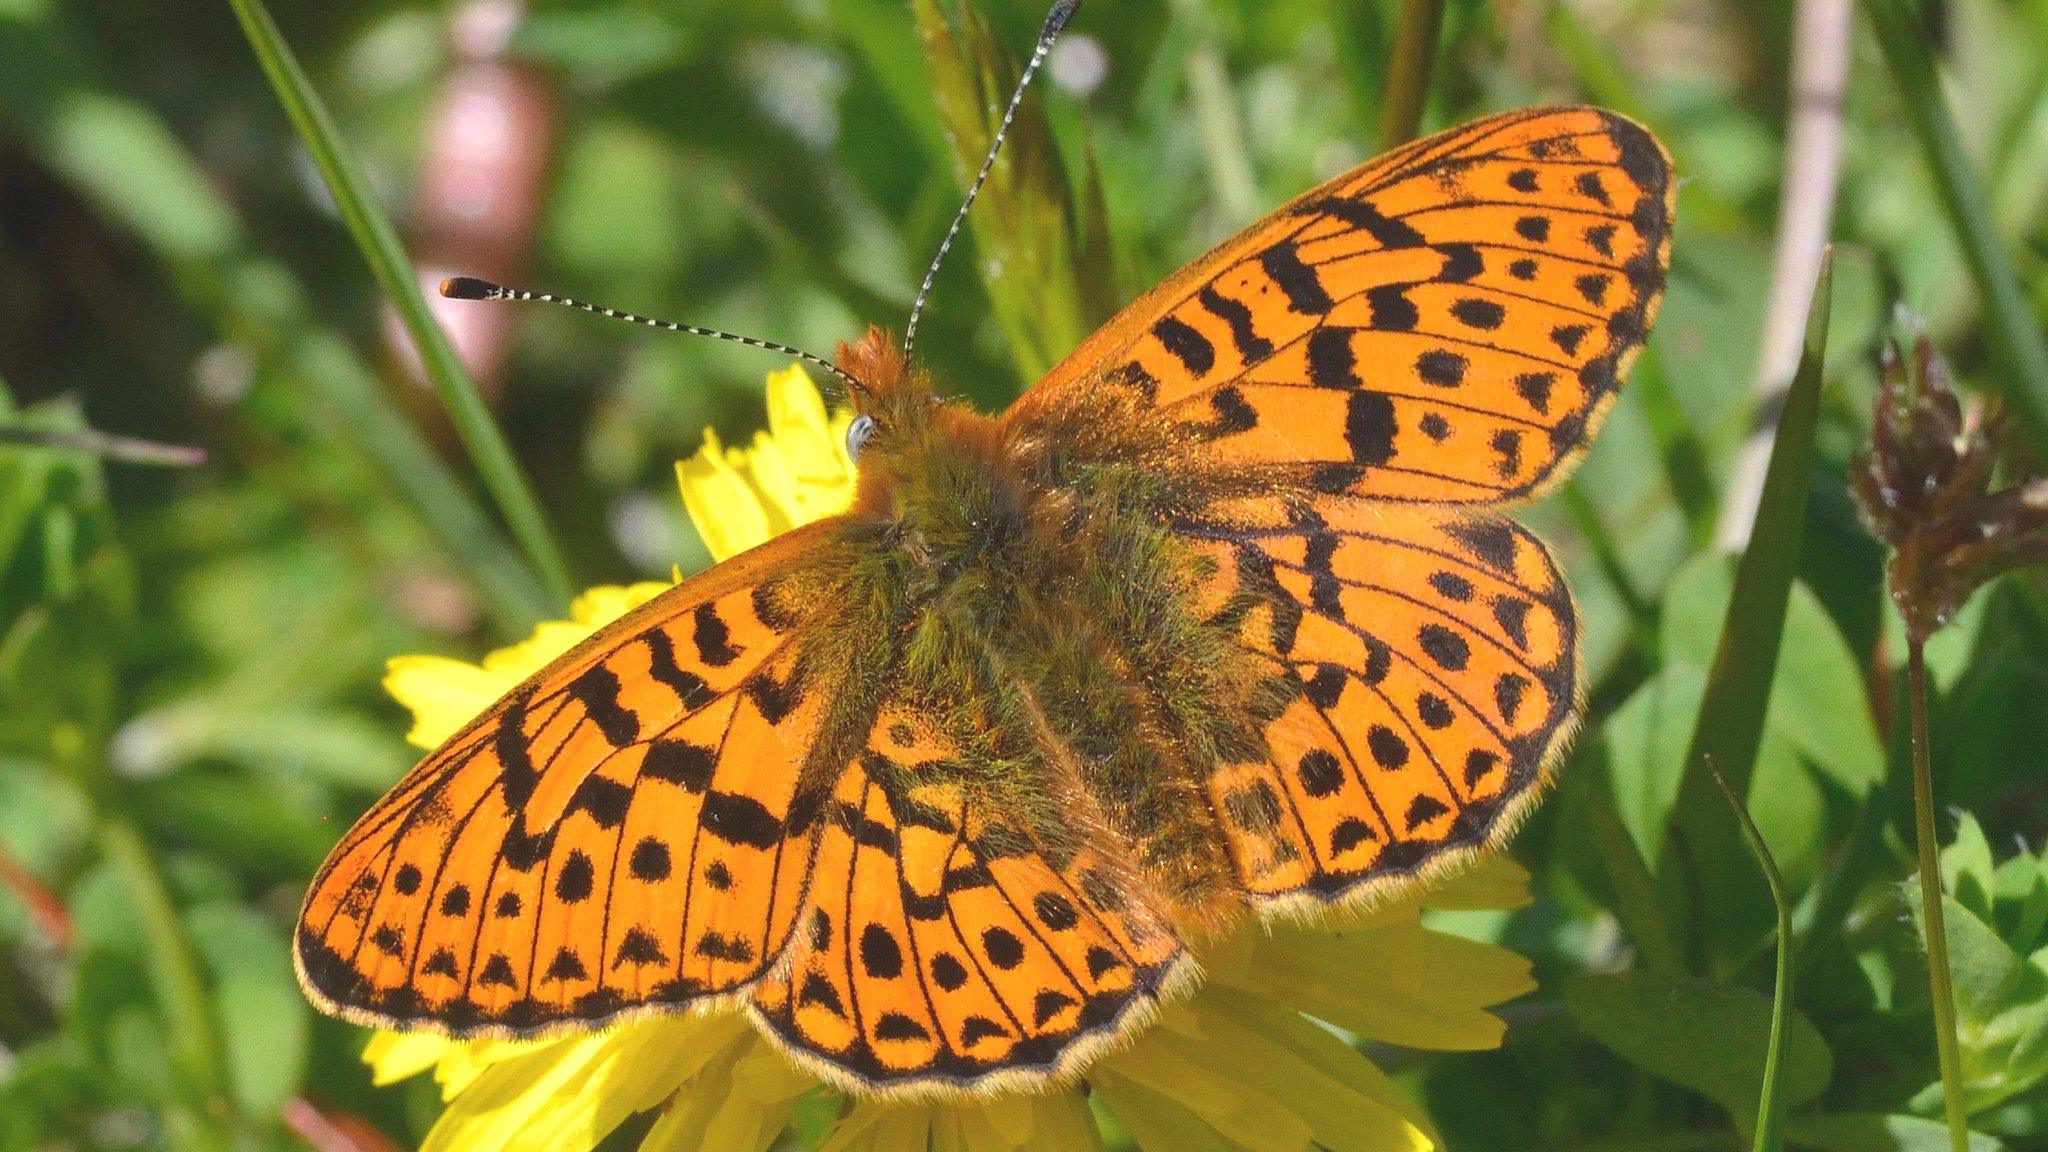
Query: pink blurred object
pixel 336 1131
pixel 488 140
pixel 45 907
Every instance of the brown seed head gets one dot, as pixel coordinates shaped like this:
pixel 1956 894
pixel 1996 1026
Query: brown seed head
pixel 1925 484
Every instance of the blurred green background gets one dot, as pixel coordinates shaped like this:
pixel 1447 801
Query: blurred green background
pixel 190 657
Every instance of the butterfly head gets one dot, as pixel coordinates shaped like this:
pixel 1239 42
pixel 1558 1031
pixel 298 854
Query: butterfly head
pixel 893 399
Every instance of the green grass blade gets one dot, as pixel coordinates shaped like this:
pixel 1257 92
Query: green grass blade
pixel 1025 227
pixel 1770 1109
pixel 173 968
pixel 121 449
pixel 1904 38
pixel 1635 902
pixel 1408 72
pixel 380 247
pixel 1731 718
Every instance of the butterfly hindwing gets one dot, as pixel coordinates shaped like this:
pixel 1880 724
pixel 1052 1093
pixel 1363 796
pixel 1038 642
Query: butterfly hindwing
pixel 1432 659
pixel 940 946
pixel 615 833
pixel 1445 324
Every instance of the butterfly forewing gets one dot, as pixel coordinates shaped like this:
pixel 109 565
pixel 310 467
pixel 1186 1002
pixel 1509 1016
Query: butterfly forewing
pixel 616 832
pixel 1443 325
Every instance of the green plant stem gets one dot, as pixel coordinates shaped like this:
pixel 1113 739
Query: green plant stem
pixel 1902 37
pixel 1934 924
pixel 173 968
pixel 1221 129
pixel 1770 1109
pixel 121 449
pixel 1409 69
pixel 380 247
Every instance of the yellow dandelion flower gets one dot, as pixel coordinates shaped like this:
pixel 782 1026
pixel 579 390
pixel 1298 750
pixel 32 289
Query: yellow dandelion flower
pixel 1263 1055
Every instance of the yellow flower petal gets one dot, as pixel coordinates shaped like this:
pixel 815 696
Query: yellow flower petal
pixel 1157 1122
pixel 570 1095
pixel 795 472
pixel 876 1127
pixel 1492 883
pixel 726 509
pixel 739 1100
pixel 395 1056
pixel 1230 1102
pixel 463 1062
pixel 442 694
pixel 1166 1114
pixel 1347 1102
pixel 1427 990
pixel 1062 1121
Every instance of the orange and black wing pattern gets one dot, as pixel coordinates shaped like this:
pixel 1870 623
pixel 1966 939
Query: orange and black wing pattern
pixel 1446 324
pixel 615 834
pixel 940 946
pixel 1432 656
pixel 1351 382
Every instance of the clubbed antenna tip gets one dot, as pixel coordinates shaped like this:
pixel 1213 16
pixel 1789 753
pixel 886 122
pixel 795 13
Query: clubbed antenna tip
pixel 470 288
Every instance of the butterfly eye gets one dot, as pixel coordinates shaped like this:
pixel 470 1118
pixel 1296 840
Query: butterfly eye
pixel 857 434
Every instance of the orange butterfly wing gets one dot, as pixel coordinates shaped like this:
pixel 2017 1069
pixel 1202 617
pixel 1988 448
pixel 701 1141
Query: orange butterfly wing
pixel 617 832
pixel 1445 324
pixel 1439 329
pixel 1434 658
pixel 940 946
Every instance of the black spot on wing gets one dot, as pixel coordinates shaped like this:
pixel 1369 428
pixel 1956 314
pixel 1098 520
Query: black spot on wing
pixel 1251 347
pixel 713 637
pixel 1363 216
pixel 517 774
pixel 598 691
pixel 738 819
pixel 1190 347
pixel 1369 427
pixel 604 799
pixel 679 762
pixel 1392 310
pixel 1296 280
pixel 689 687
pixel 1332 362
pixel 1441 367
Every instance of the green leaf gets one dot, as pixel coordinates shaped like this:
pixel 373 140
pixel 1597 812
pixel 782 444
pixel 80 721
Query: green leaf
pixel 1647 739
pixel 378 241
pixel 254 303
pixel 1709 1037
pixel 1966 868
pixel 1815 721
pixel 1028 233
pixel 265 1021
pixel 1730 726
pixel 1873 1132
pixel 1986 971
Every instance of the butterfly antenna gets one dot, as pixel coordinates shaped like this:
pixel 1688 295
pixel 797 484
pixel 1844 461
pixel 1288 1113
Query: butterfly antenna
pixel 471 288
pixel 1055 23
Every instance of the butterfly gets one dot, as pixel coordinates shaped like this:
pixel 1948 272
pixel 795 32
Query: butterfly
pixel 1220 620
